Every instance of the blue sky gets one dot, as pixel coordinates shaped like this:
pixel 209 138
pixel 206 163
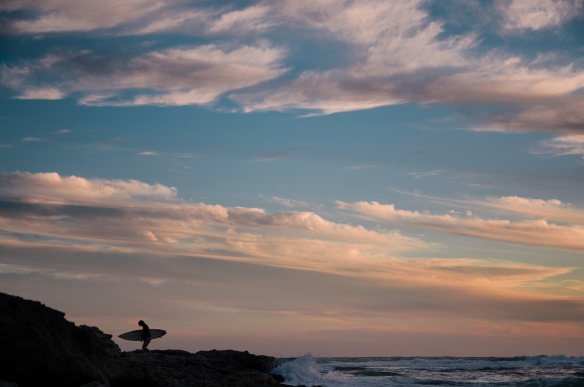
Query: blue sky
pixel 347 178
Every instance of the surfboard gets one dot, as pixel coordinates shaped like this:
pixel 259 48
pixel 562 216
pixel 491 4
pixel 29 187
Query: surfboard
pixel 137 335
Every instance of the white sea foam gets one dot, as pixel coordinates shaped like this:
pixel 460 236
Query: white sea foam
pixel 305 370
pixel 300 371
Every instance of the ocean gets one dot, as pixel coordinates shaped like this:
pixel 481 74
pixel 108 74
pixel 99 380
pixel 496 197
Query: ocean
pixel 521 371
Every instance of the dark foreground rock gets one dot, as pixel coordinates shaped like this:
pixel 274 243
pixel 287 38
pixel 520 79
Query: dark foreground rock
pixel 170 368
pixel 39 347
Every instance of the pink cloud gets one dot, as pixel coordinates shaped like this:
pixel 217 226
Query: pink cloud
pixel 82 15
pixel 131 216
pixel 537 14
pixel 537 232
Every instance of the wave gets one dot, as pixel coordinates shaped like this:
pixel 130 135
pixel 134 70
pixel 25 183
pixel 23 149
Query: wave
pixel 520 371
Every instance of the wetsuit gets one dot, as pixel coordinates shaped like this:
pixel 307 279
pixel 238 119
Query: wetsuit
pixel 146 336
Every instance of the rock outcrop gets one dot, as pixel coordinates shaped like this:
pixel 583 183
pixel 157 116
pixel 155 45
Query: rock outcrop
pixel 39 347
pixel 175 368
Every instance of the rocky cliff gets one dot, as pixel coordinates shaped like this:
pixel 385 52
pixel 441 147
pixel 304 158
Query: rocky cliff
pixel 39 347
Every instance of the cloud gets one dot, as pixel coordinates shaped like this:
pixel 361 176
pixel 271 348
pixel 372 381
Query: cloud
pixel 134 17
pixel 563 146
pixel 246 20
pixel 174 20
pixel 538 14
pixel 387 39
pixel 115 215
pixel 394 52
pixel 290 203
pixel 82 15
pixel 53 188
pixel 455 291
pixel 143 217
pixel 139 218
pixel 77 238
pixel 51 93
pixel 537 232
pixel 178 76
pixel 400 57
pixel 276 310
pixel 551 112
pixel 551 209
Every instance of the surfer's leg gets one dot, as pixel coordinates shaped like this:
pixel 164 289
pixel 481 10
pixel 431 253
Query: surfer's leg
pixel 145 344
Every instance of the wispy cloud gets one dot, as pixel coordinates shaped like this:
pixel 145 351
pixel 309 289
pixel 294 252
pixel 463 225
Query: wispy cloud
pixel 280 154
pixel 139 217
pixel 436 172
pixel 251 18
pixel 135 215
pixel 562 146
pixel 537 14
pixel 104 234
pixel 134 17
pixel 51 93
pixel 537 232
pixel 291 203
pixel 181 76
pixel 549 209
pixel 69 15
pixel 396 52
pixel 391 67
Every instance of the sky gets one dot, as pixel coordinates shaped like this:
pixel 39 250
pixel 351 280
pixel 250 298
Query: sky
pixel 335 177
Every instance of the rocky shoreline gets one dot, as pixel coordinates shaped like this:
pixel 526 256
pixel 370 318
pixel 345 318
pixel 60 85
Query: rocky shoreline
pixel 38 346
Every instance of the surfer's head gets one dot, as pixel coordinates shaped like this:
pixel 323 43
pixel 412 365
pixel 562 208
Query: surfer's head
pixel 140 322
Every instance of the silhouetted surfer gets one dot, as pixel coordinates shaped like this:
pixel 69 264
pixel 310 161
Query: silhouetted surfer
pixel 146 336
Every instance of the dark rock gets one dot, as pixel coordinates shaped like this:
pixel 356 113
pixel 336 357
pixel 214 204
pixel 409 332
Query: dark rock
pixel 230 360
pixel 102 347
pixel 40 347
pixel 175 368
pixel 279 378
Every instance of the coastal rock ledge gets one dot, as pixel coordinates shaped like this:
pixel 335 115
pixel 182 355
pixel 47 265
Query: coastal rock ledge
pixel 39 347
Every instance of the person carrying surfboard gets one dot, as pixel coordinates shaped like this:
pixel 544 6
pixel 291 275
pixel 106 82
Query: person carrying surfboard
pixel 146 336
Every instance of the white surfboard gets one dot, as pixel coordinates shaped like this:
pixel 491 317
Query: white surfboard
pixel 137 335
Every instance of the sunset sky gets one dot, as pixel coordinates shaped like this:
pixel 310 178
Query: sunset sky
pixel 345 178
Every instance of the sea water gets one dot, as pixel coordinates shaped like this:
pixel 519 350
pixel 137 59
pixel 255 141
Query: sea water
pixel 524 371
